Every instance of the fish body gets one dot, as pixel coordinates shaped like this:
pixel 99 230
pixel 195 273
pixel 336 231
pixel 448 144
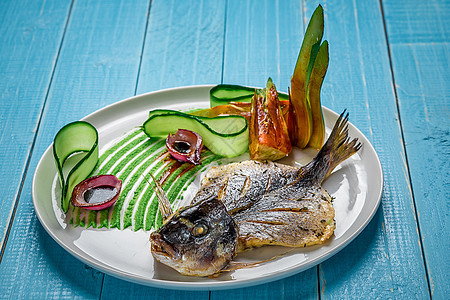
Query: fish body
pixel 265 203
pixel 298 214
pixel 239 185
pixel 271 204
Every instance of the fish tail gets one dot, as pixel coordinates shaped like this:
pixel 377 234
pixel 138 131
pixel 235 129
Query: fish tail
pixel 337 148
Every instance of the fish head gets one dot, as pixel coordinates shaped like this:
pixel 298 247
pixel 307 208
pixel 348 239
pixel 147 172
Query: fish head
pixel 197 240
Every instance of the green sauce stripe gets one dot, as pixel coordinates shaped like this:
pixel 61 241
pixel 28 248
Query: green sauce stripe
pixel 91 218
pixel 140 213
pixel 103 218
pixel 115 219
pixel 116 146
pixel 128 221
pixel 174 192
pixel 151 213
pixel 76 216
pixel 99 216
pixel 120 154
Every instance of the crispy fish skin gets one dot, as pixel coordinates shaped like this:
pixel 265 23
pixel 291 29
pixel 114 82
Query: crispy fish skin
pixel 295 215
pixel 239 185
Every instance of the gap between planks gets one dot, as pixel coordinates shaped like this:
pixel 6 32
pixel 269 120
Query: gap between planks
pixel 33 143
pixel 394 87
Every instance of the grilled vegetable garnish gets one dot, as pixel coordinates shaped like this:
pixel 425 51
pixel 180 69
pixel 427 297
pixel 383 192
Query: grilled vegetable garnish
pixel 236 108
pixel 269 137
pixel 304 118
pixel 313 96
pixel 300 119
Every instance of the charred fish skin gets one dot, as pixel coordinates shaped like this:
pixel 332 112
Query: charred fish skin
pixel 198 240
pixel 239 185
pixel 295 215
pixel 300 213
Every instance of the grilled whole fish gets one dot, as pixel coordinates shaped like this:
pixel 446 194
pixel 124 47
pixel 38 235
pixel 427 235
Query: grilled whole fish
pixel 251 204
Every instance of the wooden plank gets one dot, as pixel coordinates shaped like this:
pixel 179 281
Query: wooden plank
pixel 262 40
pixel 183 46
pixel 114 288
pixel 417 21
pixel 300 286
pixel 25 71
pixel 97 65
pixel 419 35
pixel 385 261
pixel 423 100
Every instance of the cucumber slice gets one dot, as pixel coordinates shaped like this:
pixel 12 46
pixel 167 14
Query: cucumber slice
pixel 224 93
pixel 80 138
pixel 224 135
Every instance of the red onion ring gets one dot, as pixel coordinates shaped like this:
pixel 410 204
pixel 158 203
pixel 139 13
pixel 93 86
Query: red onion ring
pixel 185 146
pixel 97 192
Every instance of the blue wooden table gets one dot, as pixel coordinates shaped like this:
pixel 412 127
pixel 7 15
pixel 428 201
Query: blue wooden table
pixel 389 66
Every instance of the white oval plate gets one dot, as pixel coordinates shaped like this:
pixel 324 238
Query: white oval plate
pixel 356 185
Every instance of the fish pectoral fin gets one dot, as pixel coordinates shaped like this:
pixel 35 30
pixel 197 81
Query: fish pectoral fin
pixel 233 265
pixel 163 202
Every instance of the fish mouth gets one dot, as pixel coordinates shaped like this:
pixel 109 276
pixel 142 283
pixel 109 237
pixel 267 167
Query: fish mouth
pixel 160 247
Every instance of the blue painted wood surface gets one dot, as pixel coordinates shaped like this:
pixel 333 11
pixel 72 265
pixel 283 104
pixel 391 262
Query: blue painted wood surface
pixel 30 37
pixel 392 266
pixel 420 61
pixel 60 60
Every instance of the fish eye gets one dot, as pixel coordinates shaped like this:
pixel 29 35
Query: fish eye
pixel 199 230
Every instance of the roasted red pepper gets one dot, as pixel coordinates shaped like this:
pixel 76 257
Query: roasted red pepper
pixel 269 137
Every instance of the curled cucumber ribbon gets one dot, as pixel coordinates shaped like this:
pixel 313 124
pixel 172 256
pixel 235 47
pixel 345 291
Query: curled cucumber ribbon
pixel 76 137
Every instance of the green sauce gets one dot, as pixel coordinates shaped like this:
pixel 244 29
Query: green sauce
pixel 130 159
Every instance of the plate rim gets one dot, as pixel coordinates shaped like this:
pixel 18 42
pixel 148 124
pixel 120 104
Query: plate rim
pixel 188 285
